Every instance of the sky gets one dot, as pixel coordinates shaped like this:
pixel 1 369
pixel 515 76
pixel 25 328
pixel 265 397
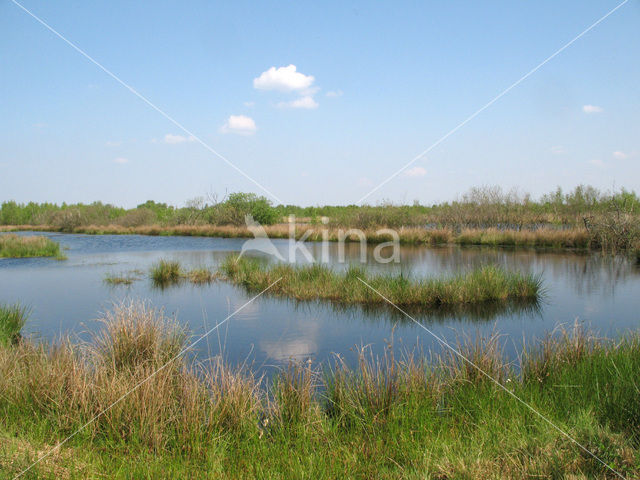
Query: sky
pixel 315 102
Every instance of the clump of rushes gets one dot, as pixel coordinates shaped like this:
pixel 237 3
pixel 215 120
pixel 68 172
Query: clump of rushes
pixel 200 275
pixel 12 319
pixel 166 272
pixel 485 284
pixel 16 246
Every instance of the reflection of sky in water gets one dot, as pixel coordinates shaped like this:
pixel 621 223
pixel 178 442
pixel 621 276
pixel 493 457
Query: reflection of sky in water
pixel 67 297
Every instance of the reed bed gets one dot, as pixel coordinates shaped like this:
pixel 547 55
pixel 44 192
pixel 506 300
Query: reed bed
pixel 16 246
pixel 404 414
pixel 485 284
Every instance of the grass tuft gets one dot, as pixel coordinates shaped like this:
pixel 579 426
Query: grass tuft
pixel 166 272
pixel 15 246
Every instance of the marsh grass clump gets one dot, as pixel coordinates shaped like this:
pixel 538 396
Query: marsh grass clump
pixel 12 319
pixel 17 246
pixel 166 272
pixel 200 275
pixel 485 284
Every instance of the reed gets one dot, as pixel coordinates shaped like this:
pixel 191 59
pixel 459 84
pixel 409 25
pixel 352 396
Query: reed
pixel 485 284
pixel 16 246
pixel 398 415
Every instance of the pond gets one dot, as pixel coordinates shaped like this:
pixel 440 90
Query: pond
pixel 67 298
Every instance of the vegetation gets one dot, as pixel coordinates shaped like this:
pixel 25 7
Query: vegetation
pixel 12 319
pixel 169 272
pixel 166 272
pixel 389 417
pixel 14 246
pixel 582 218
pixel 486 284
pixel 122 279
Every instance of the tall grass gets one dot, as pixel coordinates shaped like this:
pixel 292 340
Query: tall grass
pixel 166 272
pixel 12 319
pixel 398 415
pixel 14 246
pixel 485 284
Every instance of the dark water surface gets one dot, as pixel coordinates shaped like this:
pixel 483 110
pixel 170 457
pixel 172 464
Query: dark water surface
pixel 66 297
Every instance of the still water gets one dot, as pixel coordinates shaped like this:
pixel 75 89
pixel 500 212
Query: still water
pixel 67 297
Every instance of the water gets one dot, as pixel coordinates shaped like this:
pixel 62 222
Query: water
pixel 67 297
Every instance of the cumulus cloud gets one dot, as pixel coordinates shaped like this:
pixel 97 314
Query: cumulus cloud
pixel 619 155
pixel 334 93
pixel 240 124
pixel 302 102
pixel 121 160
pixel 286 79
pixel 592 109
pixel 174 139
pixel 415 172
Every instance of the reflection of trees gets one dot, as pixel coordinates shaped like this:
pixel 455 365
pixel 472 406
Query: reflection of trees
pixel 479 312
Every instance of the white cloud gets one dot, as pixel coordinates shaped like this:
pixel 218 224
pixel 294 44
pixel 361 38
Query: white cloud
pixel 283 78
pixel 415 172
pixel 249 104
pixel 302 102
pixel 174 139
pixel 334 93
pixel 113 144
pixel 239 124
pixel 558 150
pixel 121 160
pixel 619 155
pixel 592 109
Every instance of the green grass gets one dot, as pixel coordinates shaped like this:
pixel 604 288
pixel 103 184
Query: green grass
pixel 15 246
pixel 166 272
pixel 396 416
pixel 12 319
pixel 485 284
pixel 169 272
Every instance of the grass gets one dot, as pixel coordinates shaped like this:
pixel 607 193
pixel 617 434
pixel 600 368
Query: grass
pixel 170 272
pixel 122 279
pixel 485 284
pixel 394 416
pixel 12 319
pixel 15 246
pixel 166 272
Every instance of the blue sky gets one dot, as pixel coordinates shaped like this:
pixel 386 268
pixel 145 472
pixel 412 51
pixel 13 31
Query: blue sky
pixel 374 85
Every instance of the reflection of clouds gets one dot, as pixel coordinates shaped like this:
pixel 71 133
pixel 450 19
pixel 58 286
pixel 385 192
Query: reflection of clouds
pixel 286 349
pixel 302 346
